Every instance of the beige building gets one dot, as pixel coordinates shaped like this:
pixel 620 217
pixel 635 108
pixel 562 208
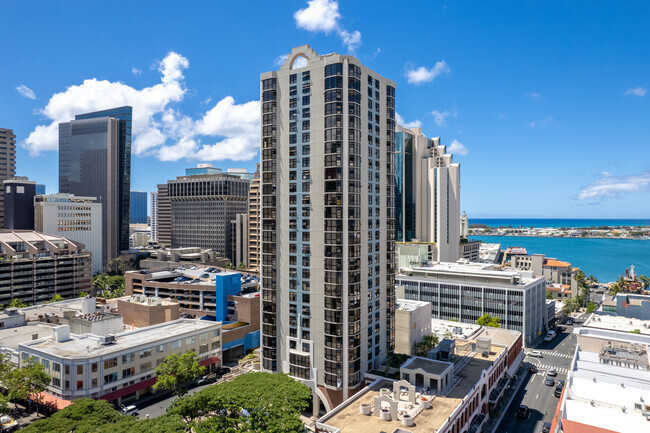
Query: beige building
pixel 140 310
pixel 239 240
pixel 254 240
pixel 7 165
pixel 559 275
pixel 412 324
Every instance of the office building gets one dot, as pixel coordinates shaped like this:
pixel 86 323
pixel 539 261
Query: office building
pixel 559 275
pixel 254 249
pixel 241 173
pixel 162 257
pixel 427 193
pixel 40 189
pixel 239 240
pixel 607 385
pixel 117 368
pixel 451 396
pixel 328 233
pixel 139 235
pixel 95 161
pixel 466 291
pixel 35 266
pixel 154 216
pixel 202 168
pixel 19 203
pixel 138 207
pixel 201 208
pixel 221 296
pixel 7 164
pixel 164 235
pixel 77 218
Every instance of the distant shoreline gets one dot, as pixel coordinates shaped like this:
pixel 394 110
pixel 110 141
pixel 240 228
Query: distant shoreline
pixel 523 235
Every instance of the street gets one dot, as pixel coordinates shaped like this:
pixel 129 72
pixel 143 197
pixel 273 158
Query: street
pixel 534 393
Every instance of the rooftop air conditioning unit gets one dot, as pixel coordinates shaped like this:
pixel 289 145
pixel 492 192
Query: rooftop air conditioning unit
pixel 107 339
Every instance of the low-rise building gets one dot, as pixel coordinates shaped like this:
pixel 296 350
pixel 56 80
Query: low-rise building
pixel 556 272
pixel 608 384
pixel 35 266
pixel 630 305
pixel 434 396
pixel 466 291
pixel 172 257
pixel 140 311
pixel 118 367
pixel 470 250
pixel 412 323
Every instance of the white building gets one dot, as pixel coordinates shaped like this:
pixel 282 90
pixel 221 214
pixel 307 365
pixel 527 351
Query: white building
pixel 466 291
pixel 327 193
pixel 464 226
pixel 427 193
pixel 118 367
pixel 154 216
pixel 76 218
pixel 412 324
pixel 608 384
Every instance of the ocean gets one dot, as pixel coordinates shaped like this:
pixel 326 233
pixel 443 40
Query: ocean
pixel 540 222
pixel 604 258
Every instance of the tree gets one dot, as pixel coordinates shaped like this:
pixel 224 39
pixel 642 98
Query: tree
pixel 593 279
pixel 17 303
pixel 115 267
pixel 591 307
pixel 26 382
pixel 83 294
pixel 491 321
pixel 644 280
pixel 242 265
pixel 427 344
pixel 176 372
pixel 549 295
pixel 108 286
pixel 229 266
pixel 55 298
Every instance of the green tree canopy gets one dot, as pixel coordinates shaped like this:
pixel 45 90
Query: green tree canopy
pixel 17 303
pixel 491 321
pixel 428 342
pixel 108 286
pixel 177 371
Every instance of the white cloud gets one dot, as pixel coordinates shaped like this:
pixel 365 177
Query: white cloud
pixel 440 117
pixel 637 91
pixel 424 75
pixel 159 129
pixel 609 186
pixel 400 121
pixel 279 61
pixel 457 147
pixel 541 123
pixel 318 16
pixel 135 71
pixel 26 92
pixel 323 16
pixel 533 95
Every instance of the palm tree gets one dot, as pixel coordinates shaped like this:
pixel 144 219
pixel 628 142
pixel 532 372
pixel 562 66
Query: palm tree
pixel 645 280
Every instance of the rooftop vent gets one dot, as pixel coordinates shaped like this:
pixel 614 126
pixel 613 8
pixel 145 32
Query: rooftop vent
pixel 105 340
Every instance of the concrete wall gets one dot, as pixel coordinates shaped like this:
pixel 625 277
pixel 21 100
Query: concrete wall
pixel 139 315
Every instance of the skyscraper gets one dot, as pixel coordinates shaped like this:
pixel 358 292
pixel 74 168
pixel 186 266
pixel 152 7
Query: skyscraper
pixel 154 216
pixel 254 221
pixel 427 193
pixel 164 216
pixel 138 207
pixel 19 203
pixel 7 164
pixel 95 161
pixel 328 233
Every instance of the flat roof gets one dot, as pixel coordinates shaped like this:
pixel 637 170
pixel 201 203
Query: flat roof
pixel 617 323
pixel 431 366
pixel 409 304
pixel 441 327
pixel 462 271
pixel 348 419
pixel 88 345
pixel 12 337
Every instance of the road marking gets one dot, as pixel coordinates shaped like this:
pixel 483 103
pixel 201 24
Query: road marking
pixel 537 397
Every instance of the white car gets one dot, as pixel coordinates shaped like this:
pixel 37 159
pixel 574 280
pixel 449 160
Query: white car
pixel 8 423
pixel 548 338
pixel 535 353
pixel 130 410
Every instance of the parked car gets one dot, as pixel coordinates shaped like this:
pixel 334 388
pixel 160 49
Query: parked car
pixel 205 275
pixel 129 410
pixel 522 412
pixel 560 383
pixel 532 369
pixel 546 428
pixel 552 372
pixel 570 321
pixel 222 371
pixel 549 382
pixel 535 353
pixel 8 423
pixel 558 391
pixel 204 380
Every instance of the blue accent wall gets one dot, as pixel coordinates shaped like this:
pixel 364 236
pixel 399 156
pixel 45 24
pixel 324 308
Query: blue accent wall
pixel 227 283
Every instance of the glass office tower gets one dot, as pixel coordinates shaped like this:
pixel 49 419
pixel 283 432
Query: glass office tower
pixel 138 207
pixel 95 161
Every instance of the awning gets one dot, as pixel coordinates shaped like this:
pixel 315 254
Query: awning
pixel 209 361
pixel 129 389
pixel 51 401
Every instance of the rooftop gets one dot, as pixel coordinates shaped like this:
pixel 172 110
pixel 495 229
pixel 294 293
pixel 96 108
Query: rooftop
pixel 431 366
pixel 465 331
pixel 348 419
pixel 471 271
pixel 617 323
pixel 557 263
pixel 10 338
pixel 409 305
pixel 89 346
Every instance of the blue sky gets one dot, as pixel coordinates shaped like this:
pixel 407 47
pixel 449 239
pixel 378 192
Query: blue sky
pixel 544 103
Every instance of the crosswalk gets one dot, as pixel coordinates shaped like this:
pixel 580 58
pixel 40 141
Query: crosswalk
pixel 554 353
pixel 543 368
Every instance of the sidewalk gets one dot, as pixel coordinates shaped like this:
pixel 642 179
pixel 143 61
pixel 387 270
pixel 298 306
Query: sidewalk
pixel 496 414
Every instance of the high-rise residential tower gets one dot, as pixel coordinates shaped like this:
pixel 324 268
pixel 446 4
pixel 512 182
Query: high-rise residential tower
pixel 7 164
pixel 19 203
pixel 154 216
pixel 138 207
pixel 254 221
pixel 328 233
pixel 427 193
pixel 95 161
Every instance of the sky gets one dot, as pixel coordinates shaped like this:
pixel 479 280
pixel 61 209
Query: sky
pixel 543 103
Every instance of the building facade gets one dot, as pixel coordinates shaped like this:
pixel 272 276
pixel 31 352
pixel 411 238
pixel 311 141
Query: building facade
pixel 119 367
pixel 427 193
pixel 239 240
pixel 154 216
pixel 202 208
pixel 138 207
pixel 254 239
pixel 164 216
pixel 35 266
pixel 7 164
pixel 95 161
pixel 19 203
pixel 328 234
pixel 77 218
pixel 465 292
